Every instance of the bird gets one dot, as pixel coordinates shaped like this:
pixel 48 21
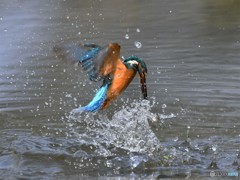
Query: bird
pixel 103 63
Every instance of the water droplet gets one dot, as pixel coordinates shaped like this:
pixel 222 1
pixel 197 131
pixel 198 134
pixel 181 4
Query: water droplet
pixel 214 147
pixel 138 30
pixel 109 163
pixel 175 139
pixel 188 127
pixel 5 30
pixel 164 106
pixel 138 44
pixel 126 36
pixel 154 119
pixel 68 95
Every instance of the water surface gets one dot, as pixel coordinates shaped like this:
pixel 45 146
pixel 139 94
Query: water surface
pixel 190 119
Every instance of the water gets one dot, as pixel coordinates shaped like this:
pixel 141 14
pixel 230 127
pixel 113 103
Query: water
pixel 188 127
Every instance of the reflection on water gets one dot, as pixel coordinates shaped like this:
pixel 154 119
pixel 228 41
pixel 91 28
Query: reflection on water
pixel 190 119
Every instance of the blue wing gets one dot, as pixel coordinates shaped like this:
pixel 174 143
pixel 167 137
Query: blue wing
pixel 97 61
pixel 88 62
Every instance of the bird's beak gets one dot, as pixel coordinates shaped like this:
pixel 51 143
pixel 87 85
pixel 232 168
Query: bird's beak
pixel 143 84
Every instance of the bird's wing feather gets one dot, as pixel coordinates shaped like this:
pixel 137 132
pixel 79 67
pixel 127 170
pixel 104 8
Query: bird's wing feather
pixel 71 52
pixel 100 62
pixel 97 61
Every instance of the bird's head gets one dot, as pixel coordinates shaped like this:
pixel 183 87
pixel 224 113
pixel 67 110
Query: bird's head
pixel 136 63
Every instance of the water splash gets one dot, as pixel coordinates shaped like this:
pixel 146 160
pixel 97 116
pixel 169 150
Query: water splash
pixel 132 129
pixel 123 141
pixel 128 130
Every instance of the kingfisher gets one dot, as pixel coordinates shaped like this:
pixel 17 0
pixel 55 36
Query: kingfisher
pixel 105 64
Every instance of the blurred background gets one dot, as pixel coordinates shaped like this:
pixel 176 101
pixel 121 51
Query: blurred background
pixel 188 127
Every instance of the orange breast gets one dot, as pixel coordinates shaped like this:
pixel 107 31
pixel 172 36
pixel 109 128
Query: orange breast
pixel 121 79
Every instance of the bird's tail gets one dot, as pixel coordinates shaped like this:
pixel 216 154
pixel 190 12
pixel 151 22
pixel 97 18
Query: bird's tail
pixel 97 101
